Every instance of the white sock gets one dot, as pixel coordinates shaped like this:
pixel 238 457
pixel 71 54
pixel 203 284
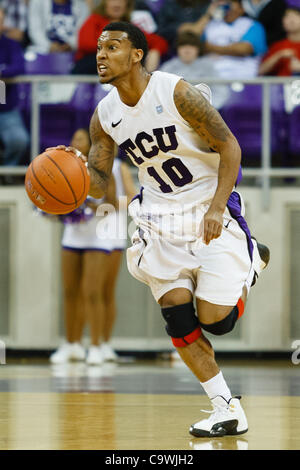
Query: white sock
pixel 217 386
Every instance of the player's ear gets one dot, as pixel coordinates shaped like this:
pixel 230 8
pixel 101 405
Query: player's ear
pixel 137 55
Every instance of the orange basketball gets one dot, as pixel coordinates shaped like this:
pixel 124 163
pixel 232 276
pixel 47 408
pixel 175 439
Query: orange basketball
pixel 57 181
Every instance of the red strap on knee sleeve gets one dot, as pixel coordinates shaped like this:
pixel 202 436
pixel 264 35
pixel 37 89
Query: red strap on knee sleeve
pixel 186 340
pixel 241 307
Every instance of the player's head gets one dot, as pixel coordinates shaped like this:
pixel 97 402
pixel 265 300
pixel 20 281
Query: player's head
pixel 121 46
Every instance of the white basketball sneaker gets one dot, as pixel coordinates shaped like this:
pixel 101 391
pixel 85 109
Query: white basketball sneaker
pixel 226 419
pixel 108 353
pixel 78 352
pixel 95 356
pixel 68 352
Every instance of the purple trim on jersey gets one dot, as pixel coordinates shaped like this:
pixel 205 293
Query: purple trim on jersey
pixel 139 195
pixel 81 250
pixel 234 207
pixel 240 176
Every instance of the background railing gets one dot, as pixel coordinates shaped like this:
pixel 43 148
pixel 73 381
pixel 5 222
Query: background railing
pixel 265 172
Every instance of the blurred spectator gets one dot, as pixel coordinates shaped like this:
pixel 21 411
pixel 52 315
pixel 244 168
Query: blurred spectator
pixel 269 13
pixel 92 4
pixel 177 15
pixel 236 43
pixel 112 10
pixel 283 57
pixel 188 63
pixel 142 17
pixel 15 23
pixel 54 24
pixel 13 134
pixel 233 45
pixel 192 65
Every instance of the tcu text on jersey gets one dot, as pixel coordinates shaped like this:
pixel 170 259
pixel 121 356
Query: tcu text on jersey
pixel 162 140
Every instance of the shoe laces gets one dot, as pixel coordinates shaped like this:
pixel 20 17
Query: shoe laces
pixel 219 411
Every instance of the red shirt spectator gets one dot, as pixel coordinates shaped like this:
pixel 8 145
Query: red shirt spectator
pixel 283 57
pixel 106 12
pixel 286 50
pixel 92 28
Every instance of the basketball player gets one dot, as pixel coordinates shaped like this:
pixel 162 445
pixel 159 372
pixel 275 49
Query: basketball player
pixel 192 242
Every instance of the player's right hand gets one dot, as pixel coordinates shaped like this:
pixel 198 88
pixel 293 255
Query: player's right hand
pixel 69 149
pixel 212 225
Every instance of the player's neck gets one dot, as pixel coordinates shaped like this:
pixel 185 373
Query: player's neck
pixel 133 86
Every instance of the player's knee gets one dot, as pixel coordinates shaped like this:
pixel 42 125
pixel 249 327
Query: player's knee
pixel 178 296
pixel 182 324
pixel 226 324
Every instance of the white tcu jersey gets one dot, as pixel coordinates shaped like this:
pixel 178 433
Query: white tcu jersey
pixel 175 165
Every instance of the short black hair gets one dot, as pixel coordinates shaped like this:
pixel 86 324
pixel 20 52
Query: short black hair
pixel 135 35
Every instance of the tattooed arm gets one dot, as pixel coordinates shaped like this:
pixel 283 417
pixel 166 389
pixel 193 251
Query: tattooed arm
pixel 209 125
pixel 100 159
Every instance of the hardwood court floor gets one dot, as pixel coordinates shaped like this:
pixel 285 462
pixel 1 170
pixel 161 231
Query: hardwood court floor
pixel 142 406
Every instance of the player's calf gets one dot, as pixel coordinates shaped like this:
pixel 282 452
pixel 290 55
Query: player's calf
pixel 226 324
pixel 182 324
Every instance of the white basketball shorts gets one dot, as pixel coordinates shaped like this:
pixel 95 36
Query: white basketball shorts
pixel 167 252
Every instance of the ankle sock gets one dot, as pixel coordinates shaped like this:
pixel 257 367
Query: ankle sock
pixel 217 386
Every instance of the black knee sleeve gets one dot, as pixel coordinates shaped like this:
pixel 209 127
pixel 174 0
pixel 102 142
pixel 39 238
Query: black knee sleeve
pixel 182 324
pixel 224 326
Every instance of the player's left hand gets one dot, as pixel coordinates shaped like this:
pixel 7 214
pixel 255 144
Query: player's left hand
pixel 212 225
pixel 70 149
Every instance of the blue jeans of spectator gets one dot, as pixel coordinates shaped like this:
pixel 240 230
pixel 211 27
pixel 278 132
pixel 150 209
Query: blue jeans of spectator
pixel 14 137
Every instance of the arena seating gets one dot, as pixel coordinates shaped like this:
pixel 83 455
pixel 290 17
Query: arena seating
pixel 243 113
pixel 60 120
pixel 293 132
pixel 45 64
